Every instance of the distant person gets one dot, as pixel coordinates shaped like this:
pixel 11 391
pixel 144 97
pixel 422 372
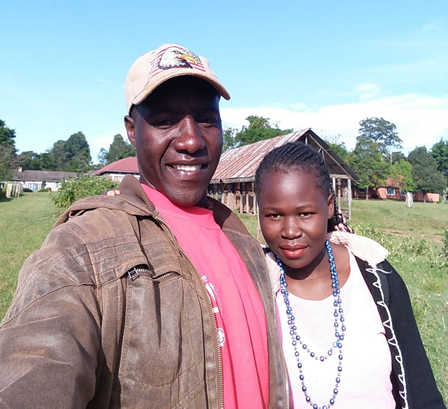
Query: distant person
pixel 343 313
pixel 159 297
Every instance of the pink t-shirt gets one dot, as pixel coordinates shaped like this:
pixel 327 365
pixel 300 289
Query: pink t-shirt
pixel 367 363
pixel 238 309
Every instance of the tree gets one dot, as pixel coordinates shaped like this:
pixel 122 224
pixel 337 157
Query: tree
pixel 118 149
pixel 46 161
pixel 30 160
pixel 72 155
pixel 368 162
pixel 424 171
pixel 58 155
pixel 228 138
pixel 7 135
pixel 381 132
pixel 396 157
pixel 7 151
pixel 340 149
pixel 439 152
pixel 78 153
pixel 7 154
pixel 401 175
pixel 259 129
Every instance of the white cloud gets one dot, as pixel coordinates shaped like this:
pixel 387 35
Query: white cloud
pixel 420 119
pixel 367 91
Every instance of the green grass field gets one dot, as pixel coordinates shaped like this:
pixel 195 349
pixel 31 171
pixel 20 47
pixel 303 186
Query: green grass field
pixel 25 222
pixel 427 219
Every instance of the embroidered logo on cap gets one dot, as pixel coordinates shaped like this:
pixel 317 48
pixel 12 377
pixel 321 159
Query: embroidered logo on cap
pixel 174 57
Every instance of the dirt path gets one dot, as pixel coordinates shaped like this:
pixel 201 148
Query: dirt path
pixel 429 237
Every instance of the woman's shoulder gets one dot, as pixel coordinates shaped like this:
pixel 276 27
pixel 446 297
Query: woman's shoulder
pixel 364 248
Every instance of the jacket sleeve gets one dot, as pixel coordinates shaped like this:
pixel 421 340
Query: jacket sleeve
pixel 420 383
pixel 50 337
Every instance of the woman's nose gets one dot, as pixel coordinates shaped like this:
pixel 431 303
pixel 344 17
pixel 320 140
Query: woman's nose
pixel 291 228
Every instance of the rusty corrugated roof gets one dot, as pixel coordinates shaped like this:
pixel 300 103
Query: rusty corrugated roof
pixel 241 163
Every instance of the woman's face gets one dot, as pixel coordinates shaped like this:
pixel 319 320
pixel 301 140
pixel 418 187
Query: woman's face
pixel 294 215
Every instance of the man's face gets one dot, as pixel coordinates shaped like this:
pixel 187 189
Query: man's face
pixel 178 136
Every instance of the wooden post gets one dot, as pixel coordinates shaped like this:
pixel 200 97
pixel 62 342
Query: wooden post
pixel 222 192
pixel 255 205
pixel 349 197
pixel 247 200
pixel 241 198
pixel 339 193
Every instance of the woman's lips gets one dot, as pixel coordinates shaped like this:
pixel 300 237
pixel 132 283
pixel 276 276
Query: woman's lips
pixel 293 252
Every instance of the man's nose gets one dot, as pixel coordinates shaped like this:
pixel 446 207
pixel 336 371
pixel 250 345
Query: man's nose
pixel 190 137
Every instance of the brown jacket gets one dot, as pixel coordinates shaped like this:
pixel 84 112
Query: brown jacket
pixel 86 329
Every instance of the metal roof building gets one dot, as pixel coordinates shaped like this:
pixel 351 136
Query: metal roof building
pixel 240 164
pixel 233 180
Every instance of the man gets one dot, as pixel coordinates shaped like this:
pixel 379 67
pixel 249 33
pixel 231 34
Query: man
pixel 158 297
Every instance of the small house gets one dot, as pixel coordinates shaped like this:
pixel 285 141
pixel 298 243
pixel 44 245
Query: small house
pixel 41 179
pixel 119 169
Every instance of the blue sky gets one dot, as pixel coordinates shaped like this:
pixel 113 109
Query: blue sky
pixel 320 64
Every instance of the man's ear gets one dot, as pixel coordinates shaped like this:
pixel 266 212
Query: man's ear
pixel 130 129
pixel 330 203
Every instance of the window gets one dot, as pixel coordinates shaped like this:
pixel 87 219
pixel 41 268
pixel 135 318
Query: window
pixel 402 193
pixel 390 191
pixel 33 186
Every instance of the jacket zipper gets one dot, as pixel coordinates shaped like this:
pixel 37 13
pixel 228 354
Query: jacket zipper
pixel 135 273
pixel 209 303
pixel 285 369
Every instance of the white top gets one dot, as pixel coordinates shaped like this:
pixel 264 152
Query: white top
pixel 366 365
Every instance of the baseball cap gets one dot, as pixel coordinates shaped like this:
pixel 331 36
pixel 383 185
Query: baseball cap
pixel 168 61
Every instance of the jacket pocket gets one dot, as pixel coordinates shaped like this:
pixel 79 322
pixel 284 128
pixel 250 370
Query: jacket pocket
pixel 162 352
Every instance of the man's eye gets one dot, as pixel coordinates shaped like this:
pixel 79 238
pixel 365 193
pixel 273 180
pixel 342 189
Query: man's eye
pixel 274 216
pixel 164 123
pixel 206 120
pixel 305 214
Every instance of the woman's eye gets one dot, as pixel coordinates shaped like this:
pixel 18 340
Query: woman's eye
pixel 274 216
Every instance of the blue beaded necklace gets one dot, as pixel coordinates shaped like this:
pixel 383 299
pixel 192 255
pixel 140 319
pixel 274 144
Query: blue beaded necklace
pixel 297 342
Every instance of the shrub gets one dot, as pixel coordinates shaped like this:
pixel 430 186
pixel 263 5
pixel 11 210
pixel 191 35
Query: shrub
pixel 445 244
pixel 72 190
pixel 25 189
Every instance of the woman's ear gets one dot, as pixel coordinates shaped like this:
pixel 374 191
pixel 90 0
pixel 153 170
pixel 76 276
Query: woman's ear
pixel 330 204
pixel 130 129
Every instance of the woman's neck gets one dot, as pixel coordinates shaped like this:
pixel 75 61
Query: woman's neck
pixel 313 282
